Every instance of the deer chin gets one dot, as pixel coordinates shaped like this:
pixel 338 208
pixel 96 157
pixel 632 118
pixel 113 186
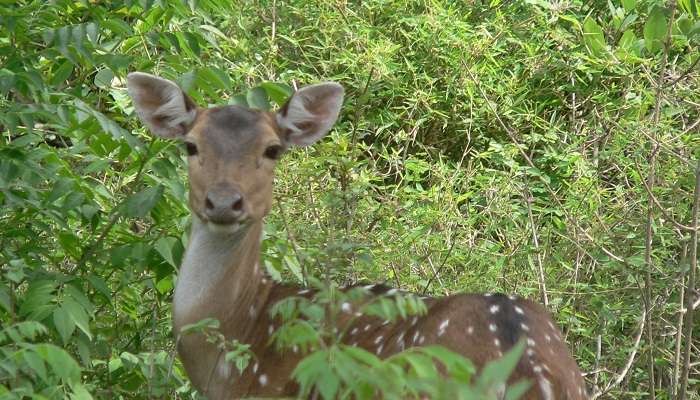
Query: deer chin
pixel 227 229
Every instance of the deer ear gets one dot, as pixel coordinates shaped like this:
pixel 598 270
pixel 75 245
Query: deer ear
pixel 161 104
pixel 310 113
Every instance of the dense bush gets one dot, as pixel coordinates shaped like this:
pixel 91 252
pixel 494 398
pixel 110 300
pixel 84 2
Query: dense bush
pixel 542 148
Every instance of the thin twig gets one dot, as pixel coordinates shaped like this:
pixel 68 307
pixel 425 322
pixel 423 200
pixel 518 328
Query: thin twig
pixel 690 294
pixel 623 373
pixel 685 73
pixel 648 241
pixel 292 240
pixel 536 242
pixel 651 178
pixel 659 206
pixel 679 329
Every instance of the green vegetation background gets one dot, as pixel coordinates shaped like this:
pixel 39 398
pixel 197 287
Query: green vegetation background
pixel 483 146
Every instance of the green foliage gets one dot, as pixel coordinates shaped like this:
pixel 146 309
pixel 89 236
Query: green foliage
pixel 351 372
pixel 479 142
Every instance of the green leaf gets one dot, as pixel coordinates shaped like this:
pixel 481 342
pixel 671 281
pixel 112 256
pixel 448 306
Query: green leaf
pixel 517 390
pixel 62 73
pixel 593 37
pixel 140 204
pixel 204 324
pixel 629 5
pixel 655 30
pixel 238 100
pixel 277 92
pixel 216 77
pixel 5 300
pixel 103 79
pixel 257 98
pixel 64 323
pixel 164 247
pixel 70 243
pixel 497 372
pixel 61 363
pixel 108 125
pixel 78 315
pixel 80 392
pixel 37 299
pixel 35 363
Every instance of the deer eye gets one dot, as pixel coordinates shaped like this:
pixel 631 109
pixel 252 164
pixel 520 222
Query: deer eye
pixel 273 152
pixel 191 149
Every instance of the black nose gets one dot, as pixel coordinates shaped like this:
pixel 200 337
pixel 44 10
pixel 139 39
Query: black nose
pixel 224 205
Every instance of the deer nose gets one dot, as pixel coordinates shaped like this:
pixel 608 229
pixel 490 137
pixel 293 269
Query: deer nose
pixel 224 205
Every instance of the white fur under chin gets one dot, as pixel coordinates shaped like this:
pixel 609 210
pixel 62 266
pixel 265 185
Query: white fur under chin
pixel 204 263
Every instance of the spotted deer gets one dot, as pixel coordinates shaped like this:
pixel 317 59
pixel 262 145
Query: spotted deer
pixel 232 152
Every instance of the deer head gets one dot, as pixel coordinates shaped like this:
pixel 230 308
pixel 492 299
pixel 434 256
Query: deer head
pixel 232 150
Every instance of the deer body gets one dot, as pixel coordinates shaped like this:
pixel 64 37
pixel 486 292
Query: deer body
pixel 232 152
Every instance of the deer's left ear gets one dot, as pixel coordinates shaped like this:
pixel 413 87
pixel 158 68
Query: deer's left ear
pixel 310 113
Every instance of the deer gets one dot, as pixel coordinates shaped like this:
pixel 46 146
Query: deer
pixel 231 155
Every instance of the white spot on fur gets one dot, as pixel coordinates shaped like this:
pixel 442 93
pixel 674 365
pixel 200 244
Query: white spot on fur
pixel 303 291
pixel 415 336
pixel 493 327
pixel 379 349
pixel 524 327
pixel 547 338
pixel 518 310
pixel 223 368
pixel 421 340
pixel 354 331
pixel 497 342
pixel 470 329
pixel 494 308
pixel 270 329
pixel 531 342
pixel 392 292
pixel 546 388
pixel 263 380
pixel 367 327
pixel 400 341
pixel 346 307
pixel 512 297
pixel 378 339
pixel 255 368
pixel 443 326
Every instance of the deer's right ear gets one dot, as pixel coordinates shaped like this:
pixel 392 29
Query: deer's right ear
pixel 161 104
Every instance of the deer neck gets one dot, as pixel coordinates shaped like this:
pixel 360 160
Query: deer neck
pixel 220 278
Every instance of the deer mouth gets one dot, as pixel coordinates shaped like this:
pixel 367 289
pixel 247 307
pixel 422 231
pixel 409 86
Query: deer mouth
pixel 227 228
